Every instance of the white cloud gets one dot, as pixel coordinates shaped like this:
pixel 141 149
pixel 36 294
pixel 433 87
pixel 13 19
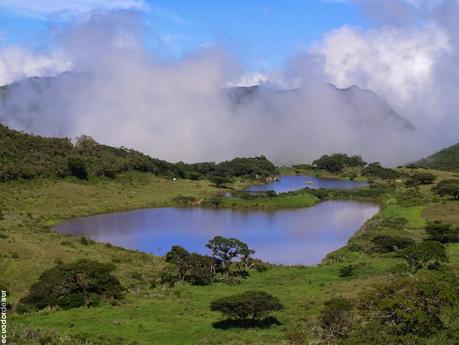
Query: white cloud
pixel 17 63
pixel 394 62
pixel 48 7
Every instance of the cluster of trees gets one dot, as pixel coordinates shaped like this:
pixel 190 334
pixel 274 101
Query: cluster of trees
pixel 230 258
pixel 376 170
pixel 81 283
pixel 27 156
pixel 411 310
pixel 337 162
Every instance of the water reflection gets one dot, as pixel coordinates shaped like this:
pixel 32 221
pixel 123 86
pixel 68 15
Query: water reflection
pixel 296 182
pixel 300 236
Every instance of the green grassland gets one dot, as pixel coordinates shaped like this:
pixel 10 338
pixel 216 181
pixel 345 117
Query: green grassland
pixel 154 314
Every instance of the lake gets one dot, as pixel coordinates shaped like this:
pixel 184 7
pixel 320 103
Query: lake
pixel 295 182
pixel 299 236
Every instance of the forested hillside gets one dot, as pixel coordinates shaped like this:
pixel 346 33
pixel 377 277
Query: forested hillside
pixel 27 156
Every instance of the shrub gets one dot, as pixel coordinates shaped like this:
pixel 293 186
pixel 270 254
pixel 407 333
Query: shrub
pixel 420 179
pixel 193 268
pixel 424 254
pixel 84 282
pixel 247 305
pixel 387 243
pixel 448 188
pixel 410 306
pixel 441 232
pixel 336 319
pixel 77 168
pixel 346 271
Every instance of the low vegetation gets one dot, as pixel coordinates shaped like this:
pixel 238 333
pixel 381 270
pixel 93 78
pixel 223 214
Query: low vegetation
pixel 395 282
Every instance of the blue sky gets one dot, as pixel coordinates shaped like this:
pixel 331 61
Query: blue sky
pixel 266 32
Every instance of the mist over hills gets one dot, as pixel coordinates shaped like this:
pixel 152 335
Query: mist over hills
pixel 177 123
pixel 367 108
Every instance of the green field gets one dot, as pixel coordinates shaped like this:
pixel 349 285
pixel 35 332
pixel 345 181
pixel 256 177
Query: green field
pixel 154 314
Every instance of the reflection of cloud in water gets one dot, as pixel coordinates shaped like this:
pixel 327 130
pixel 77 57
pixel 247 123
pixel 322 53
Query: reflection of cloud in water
pixel 285 236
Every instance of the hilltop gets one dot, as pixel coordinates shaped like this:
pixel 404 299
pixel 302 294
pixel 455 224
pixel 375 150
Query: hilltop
pixel 446 159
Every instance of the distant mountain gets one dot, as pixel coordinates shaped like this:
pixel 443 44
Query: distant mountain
pixel 363 106
pixel 446 159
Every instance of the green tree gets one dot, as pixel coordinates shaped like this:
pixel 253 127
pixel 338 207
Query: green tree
pixel 227 249
pixel 424 254
pixel 247 305
pixel 84 282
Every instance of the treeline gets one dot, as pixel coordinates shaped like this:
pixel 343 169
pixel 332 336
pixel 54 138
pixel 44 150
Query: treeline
pixel 28 156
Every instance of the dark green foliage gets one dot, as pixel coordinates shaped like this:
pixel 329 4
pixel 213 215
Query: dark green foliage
pixel 335 320
pixel 446 159
pixel 249 304
pixel 220 181
pixel 425 254
pixel 84 282
pixel 441 232
pixel 188 267
pixel 375 170
pixel 387 243
pixel 420 179
pixel 449 188
pixel 27 156
pixel 225 250
pixel 337 162
pixel 77 168
pixel 346 271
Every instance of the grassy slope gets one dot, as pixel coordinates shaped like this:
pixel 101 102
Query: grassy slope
pixel 179 315
pixel 446 159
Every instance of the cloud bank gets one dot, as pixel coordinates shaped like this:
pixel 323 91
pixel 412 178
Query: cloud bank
pixel 178 110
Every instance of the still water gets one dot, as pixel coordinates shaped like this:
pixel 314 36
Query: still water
pixel 300 236
pixel 296 182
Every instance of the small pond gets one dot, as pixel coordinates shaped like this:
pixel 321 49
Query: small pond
pixel 295 182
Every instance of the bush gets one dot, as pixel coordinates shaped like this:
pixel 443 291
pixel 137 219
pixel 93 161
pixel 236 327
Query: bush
pixel 346 271
pixel 84 282
pixel 425 254
pixel 247 305
pixel 336 319
pixel 193 268
pixel 448 188
pixel 441 232
pixel 77 168
pixel 420 179
pixel 410 306
pixel 387 243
